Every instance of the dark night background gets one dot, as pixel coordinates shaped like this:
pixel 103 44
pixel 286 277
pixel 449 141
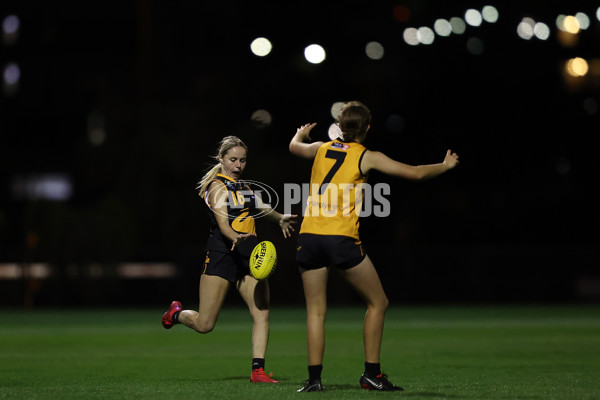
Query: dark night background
pixel 165 81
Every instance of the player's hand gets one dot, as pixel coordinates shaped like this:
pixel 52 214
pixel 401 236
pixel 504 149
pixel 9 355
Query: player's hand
pixel 304 131
pixel 451 159
pixel 286 222
pixel 240 238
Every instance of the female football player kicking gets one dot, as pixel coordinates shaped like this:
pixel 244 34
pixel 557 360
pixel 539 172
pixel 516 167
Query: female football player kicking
pixel 232 207
pixel 330 239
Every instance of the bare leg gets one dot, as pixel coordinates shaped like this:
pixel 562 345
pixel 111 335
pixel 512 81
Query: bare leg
pixel 365 280
pixel 314 282
pixel 256 295
pixel 213 290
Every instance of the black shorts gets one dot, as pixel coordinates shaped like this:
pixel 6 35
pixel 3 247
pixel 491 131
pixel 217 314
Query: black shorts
pixel 317 251
pixel 231 265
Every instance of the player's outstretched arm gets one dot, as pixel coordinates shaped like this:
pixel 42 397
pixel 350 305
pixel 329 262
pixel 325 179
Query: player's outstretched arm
pixel 285 221
pixel 300 145
pixel 375 160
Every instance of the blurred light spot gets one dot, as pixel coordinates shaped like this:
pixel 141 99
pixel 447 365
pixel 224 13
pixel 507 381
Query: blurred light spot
pixel 147 270
pixel 410 36
pixel 598 13
pixel 261 119
pixel 12 74
pixel 577 67
pixel 568 24
pixel 442 27
pixel 401 13
pixel 20 271
pixel 334 131
pixel 525 28
pixel 541 31
pixel 583 19
pixel 56 187
pixel 11 24
pixel 314 54
pixel 473 17
pixel 475 46
pixel 261 46
pixel 10 271
pixel 490 14
pixel 562 166
pixel 97 136
pixel 374 50
pixel 590 106
pixel 10 29
pixel 425 35
pixel 395 123
pixel 336 109
pixel 10 79
pixel 560 19
pixel 95 128
pixel 458 25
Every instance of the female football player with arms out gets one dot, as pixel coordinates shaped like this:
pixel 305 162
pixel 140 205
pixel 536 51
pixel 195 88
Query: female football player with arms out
pixel 332 240
pixel 232 207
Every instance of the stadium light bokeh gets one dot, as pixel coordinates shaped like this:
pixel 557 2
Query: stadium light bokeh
pixel 374 50
pixel 315 54
pixel 261 47
pixel 473 17
pixel 455 25
pixel 10 29
pixel 577 67
pixel 261 119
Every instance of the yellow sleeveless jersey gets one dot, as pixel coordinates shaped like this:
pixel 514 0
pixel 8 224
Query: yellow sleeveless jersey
pixel 335 196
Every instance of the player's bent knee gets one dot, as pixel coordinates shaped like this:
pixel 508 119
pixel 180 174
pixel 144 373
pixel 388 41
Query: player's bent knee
pixel 204 326
pixel 380 305
pixel 386 303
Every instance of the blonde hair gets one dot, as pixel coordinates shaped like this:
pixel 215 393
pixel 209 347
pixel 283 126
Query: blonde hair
pixel 226 143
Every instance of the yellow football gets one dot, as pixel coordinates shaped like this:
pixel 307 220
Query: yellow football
pixel 263 260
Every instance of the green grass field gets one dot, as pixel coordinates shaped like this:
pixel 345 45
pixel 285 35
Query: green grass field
pixel 491 352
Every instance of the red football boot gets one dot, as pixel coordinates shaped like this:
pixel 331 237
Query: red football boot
pixel 167 318
pixel 258 375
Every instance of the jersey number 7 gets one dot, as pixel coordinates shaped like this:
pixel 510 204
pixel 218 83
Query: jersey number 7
pixel 339 157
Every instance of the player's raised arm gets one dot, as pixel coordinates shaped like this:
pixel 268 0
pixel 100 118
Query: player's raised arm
pixel 375 160
pixel 285 221
pixel 300 145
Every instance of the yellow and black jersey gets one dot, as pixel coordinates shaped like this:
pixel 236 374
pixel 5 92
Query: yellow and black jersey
pixel 335 196
pixel 241 209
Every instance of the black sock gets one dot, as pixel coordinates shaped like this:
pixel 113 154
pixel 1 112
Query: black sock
pixel 372 369
pixel 258 363
pixel 176 317
pixel 314 372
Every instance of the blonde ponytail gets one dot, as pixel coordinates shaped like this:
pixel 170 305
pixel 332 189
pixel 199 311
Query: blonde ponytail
pixel 207 179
